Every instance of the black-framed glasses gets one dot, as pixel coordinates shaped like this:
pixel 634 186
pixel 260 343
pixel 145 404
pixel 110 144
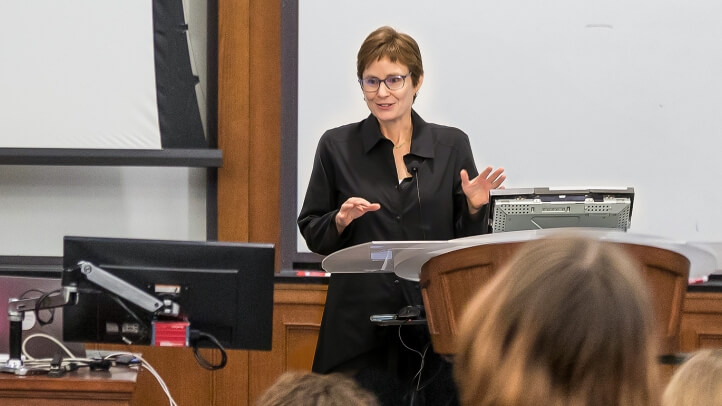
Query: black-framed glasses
pixel 394 82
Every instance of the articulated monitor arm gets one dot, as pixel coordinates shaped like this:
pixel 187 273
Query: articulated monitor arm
pixel 119 287
pixel 69 296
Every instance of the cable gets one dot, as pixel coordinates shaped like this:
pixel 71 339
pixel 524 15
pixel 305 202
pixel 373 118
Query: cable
pixel 198 336
pixel 88 362
pixel 39 302
pixel 52 311
pixel 62 346
pixel 142 330
pixel 416 376
pixel 150 369
pixel 418 198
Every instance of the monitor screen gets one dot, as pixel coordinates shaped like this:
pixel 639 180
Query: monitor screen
pixel 542 208
pixel 223 289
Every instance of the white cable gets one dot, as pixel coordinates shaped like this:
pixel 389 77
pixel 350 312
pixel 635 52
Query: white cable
pixel 48 337
pixel 150 369
pixel 73 357
pixel 423 358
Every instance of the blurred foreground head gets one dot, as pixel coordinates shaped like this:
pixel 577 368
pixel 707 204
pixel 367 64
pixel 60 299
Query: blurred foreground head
pixel 698 382
pixel 567 321
pixel 311 389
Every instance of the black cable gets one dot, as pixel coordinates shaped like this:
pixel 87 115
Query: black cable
pixel 22 296
pixel 198 336
pixel 43 296
pixel 36 310
pixel 143 330
pixel 418 198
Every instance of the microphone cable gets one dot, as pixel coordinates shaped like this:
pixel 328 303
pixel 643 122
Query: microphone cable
pixel 415 171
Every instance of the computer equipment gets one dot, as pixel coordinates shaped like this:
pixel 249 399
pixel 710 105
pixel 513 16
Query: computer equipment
pixel 543 208
pixel 222 289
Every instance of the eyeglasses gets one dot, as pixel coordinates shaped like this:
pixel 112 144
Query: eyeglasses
pixel 394 82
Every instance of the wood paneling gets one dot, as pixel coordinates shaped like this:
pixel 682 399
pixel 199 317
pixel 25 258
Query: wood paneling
pixel 249 114
pixel 249 134
pixel 265 122
pixel 234 123
pixel 701 325
pixel 188 383
pixel 297 316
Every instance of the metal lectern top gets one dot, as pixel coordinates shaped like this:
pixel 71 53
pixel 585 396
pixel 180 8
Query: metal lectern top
pixel 405 258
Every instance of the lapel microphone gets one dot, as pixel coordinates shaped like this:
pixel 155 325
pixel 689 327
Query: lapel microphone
pixel 413 163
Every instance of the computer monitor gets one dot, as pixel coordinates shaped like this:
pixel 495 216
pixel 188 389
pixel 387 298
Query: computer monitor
pixel 542 208
pixel 223 289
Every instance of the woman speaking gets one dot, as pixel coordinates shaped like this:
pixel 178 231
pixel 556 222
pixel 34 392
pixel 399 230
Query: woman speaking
pixel 391 176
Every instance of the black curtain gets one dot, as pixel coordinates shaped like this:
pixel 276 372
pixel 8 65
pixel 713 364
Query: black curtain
pixel 178 113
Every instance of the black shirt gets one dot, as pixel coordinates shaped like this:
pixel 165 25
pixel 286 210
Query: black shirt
pixel 356 160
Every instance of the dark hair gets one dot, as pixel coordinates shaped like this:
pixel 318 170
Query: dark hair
pixel 567 322
pixel 386 42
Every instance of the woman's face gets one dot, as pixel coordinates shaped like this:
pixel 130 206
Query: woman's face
pixel 390 106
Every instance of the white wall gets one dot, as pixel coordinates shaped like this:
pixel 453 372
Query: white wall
pixel 560 93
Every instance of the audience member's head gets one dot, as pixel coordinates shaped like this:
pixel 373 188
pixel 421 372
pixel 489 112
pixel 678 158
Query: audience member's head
pixel 311 389
pixel 698 382
pixel 567 321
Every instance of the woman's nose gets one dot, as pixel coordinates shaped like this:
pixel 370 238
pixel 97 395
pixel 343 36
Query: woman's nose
pixel 383 90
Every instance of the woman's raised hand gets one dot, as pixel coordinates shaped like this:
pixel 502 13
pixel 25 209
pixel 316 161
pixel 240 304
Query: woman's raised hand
pixel 351 209
pixel 477 189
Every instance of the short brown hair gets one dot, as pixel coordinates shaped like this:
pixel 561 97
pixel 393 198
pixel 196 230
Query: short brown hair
pixel 312 389
pixel 567 322
pixel 386 42
pixel 698 382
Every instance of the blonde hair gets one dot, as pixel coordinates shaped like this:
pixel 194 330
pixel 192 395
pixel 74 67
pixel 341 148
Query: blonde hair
pixel 698 382
pixel 312 389
pixel 567 322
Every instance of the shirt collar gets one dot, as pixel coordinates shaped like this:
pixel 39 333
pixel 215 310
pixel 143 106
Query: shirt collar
pixel 422 139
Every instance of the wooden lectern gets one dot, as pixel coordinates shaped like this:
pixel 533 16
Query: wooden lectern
pixel 451 272
pixel 449 281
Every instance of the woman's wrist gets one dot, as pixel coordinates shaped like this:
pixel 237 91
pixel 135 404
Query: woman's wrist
pixel 339 225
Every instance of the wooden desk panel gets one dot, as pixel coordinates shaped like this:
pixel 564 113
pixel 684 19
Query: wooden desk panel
pixel 78 388
pixel 701 325
pixel 297 316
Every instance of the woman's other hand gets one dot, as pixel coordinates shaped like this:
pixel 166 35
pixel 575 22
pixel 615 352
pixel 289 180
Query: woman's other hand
pixel 351 209
pixel 477 190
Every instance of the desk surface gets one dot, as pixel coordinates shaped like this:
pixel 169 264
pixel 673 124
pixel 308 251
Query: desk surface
pixel 78 388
